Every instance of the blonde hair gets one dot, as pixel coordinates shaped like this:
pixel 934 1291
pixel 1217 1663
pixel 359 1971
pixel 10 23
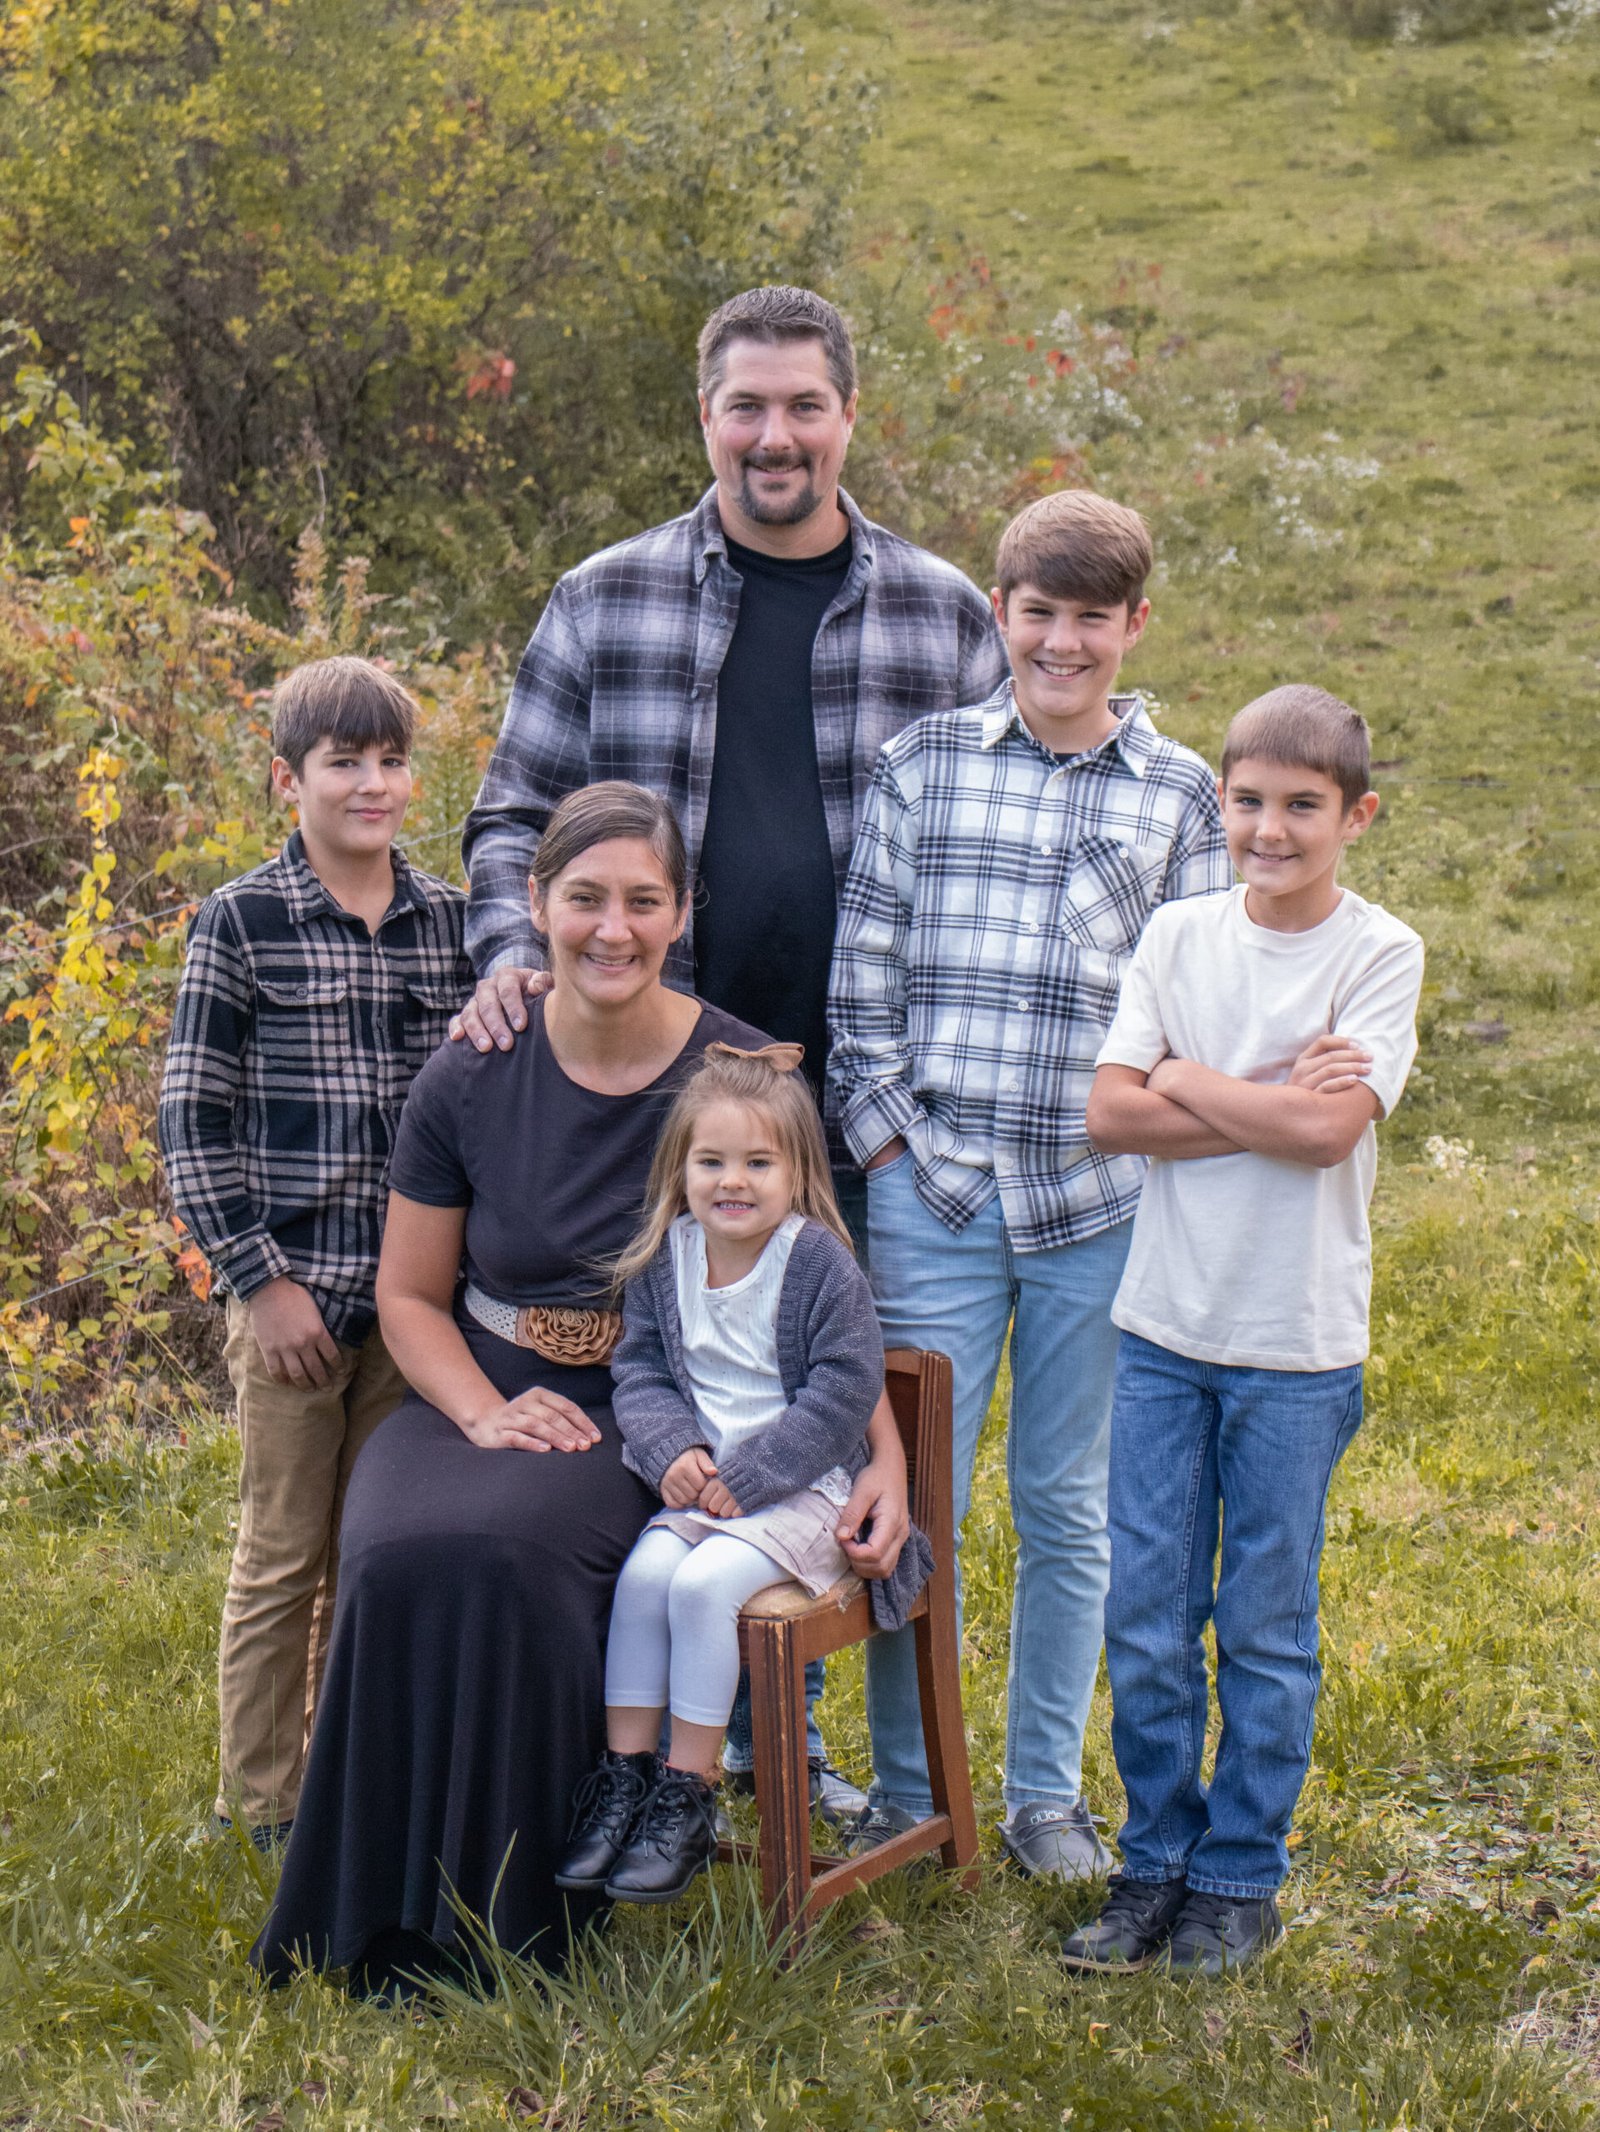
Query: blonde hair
pixel 1303 728
pixel 784 1101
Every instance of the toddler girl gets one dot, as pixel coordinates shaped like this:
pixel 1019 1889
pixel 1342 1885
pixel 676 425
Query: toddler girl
pixel 749 1366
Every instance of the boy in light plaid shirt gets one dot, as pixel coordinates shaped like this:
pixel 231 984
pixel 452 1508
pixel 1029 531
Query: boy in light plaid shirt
pixel 1007 861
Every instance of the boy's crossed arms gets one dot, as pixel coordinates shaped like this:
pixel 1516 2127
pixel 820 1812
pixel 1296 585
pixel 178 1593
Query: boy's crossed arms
pixel 1182 1111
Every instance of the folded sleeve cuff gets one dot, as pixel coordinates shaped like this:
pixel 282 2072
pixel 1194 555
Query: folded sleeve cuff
pixel 877 1115
pixel 248 1262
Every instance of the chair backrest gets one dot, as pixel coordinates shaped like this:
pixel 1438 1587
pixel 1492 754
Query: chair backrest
pixel 919 1385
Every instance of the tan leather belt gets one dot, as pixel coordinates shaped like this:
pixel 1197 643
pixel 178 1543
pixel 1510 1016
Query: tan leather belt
pixel 554 1331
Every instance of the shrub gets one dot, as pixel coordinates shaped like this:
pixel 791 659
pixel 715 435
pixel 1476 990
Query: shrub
pixel 435 270
pixel 138 758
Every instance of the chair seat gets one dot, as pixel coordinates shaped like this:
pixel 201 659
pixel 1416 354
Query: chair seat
pixel 792 1602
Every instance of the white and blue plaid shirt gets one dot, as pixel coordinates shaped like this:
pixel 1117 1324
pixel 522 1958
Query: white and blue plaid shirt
pixel 620 680
pixel 994 899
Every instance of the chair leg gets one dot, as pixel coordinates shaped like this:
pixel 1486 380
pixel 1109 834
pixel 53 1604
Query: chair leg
pixel 783 1781
pixel 943 1735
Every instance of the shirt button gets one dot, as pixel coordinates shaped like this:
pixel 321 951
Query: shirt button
pixel 1033 925
pixel 1022 1006
pixel 1013 1086
pixel 1045 849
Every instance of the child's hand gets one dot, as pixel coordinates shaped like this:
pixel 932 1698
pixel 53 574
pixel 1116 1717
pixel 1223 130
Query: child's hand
pixel 684 1479
pixel 1330 1064
pixel 1165 1078
pixel 295 1345
pixel 716 1502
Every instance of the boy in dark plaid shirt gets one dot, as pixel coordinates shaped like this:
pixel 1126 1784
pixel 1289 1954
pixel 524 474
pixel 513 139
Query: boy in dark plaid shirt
pixel 314 989
pixel 1008 858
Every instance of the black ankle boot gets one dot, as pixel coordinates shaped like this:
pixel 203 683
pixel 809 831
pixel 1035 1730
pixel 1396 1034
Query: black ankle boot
pixel 674 1837
pixel 604 1808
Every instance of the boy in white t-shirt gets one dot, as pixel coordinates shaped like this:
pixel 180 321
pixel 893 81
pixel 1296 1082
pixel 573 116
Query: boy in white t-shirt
pixel 1258 1037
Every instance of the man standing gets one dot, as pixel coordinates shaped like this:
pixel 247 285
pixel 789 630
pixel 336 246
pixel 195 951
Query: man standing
pixel 747 661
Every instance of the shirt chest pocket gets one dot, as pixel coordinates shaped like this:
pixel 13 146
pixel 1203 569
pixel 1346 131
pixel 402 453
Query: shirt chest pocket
pixel 304 1028
pixel 428 1008
pixel 1111 889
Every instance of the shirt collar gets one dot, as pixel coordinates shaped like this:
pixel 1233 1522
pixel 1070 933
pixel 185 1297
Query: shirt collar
pixel 1133 738
pixel 708 538
pixel 305 897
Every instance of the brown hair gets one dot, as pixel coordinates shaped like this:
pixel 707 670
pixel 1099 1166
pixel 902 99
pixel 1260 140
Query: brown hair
pixel 596 813
pixel 349 701
pixel 783 1100
pixel 1075 545
pixel 1303 728
pixel 775 315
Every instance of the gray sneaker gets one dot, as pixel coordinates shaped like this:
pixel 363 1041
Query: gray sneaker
pixel 833 1796
pixel 875 1826
pixel 1055 1842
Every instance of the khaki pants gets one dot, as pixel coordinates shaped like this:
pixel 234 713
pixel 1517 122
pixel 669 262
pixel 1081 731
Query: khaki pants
pixel 299 1447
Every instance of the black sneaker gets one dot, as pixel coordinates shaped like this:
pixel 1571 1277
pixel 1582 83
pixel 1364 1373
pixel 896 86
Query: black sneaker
pixel 674 1839
pixel 833 1796
pixel 604 1808
pixel 1132 1926
pixel 1218 1934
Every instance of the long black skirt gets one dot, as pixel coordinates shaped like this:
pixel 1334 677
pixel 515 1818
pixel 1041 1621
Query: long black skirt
pixel 464 1691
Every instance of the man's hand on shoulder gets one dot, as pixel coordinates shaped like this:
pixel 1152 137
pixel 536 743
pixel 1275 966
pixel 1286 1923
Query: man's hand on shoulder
pixel 498 1009
pixel 295 1345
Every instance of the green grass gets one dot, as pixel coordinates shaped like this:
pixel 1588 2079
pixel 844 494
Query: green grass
pixel 1401 247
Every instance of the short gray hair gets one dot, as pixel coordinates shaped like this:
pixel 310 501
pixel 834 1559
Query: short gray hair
pixel 776 315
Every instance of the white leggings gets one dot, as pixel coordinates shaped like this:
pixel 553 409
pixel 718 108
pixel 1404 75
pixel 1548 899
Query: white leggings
pixel 675 1623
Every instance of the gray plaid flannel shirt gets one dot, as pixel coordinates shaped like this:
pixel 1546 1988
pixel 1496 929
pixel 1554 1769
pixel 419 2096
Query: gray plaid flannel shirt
pixel 620 680
pixel 994 900
pixel 295 1038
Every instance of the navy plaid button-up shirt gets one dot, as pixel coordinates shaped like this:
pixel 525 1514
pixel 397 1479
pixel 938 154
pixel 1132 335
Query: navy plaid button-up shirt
pixel 296 1036
pixel 995 897
pixel 620 680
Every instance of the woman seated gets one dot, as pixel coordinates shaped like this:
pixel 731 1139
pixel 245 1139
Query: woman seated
pixel 488 1517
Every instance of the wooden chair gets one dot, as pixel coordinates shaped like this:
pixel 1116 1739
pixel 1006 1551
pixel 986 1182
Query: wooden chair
pixel 782 1629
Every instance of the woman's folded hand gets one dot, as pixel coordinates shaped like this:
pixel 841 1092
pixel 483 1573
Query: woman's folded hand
pixel 536 1420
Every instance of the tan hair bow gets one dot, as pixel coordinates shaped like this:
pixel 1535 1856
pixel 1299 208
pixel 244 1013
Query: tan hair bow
pixel 782 1058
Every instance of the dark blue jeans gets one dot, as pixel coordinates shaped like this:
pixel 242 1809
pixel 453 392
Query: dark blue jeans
pixel 1195 1446
pixel 850 1189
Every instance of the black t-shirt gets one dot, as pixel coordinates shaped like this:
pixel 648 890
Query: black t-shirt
pixel 552 1175
pixel 763 929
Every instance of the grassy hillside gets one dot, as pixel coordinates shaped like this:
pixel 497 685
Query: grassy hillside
pixel 1363 287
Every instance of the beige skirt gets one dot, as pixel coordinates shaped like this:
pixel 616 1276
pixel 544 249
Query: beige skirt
pixel 797 1533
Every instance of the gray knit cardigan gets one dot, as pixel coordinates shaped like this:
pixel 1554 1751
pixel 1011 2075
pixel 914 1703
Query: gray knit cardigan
pixel 830 1358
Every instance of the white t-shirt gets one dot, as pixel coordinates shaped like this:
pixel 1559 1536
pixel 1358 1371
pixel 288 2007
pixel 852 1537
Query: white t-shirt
pixel 730 1342
pixel 1249 1259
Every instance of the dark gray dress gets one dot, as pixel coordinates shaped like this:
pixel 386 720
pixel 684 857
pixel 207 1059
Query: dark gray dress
pixel 463 1696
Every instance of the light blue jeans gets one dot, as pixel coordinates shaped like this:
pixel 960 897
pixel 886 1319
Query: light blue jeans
pixel 959 1294
pixel 1195 1445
